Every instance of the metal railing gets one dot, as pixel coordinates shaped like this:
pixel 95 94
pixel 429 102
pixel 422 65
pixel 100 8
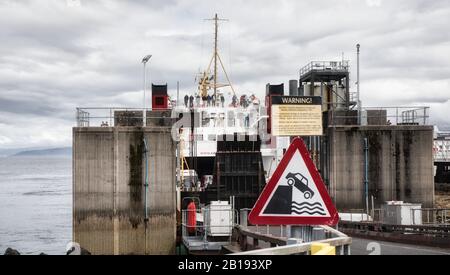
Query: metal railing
pixel 82 118
pixel 428 235
pixel 340 241
pixel 201 235
pixel 382 116
pixel 431 216
pixel 441 150
pixel 325 66
pixel 423 216
pixel 280 242
pixel 116 116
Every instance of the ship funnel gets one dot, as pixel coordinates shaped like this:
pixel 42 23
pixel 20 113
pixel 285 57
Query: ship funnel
pixel 293 87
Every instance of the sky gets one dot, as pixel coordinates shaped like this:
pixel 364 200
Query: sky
pixel 56 55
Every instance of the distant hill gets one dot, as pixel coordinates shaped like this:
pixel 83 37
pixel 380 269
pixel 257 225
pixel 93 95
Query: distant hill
pixel 66 151
pixel 9 152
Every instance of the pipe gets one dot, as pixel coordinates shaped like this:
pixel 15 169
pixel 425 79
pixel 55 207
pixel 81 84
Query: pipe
pixel 366 172
pixel 146 178
pixel 373 208
pixel 358 46
pixel 146 192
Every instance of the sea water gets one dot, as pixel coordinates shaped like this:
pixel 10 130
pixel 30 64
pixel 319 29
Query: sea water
pixel 36 204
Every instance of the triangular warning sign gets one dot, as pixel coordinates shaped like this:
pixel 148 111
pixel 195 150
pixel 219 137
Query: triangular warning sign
pixel 295 194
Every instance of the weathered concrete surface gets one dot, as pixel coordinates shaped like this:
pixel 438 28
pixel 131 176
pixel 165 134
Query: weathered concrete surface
pixel 400 165
pixel 109 193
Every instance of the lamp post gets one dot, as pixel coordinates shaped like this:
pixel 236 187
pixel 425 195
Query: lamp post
pixel 358 46
pixel 144 113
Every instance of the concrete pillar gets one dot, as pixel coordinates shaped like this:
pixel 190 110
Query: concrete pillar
pixel 109 194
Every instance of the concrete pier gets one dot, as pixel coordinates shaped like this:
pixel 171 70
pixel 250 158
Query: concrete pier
pixel 400 165
pixel 109 192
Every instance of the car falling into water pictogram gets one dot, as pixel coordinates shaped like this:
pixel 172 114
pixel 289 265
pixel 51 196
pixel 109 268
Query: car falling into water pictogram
pixel 301 183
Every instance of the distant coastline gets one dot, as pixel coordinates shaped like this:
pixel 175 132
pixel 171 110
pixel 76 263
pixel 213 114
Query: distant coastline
pixel 60 152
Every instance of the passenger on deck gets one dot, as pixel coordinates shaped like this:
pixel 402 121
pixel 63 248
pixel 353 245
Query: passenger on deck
pixel 242 101
pixel 234 101
pixel 191 101
pixel 208 99
pixel 197 100
pixel 222 100
pixel 254 100
pixel 213 100
pixel 186 100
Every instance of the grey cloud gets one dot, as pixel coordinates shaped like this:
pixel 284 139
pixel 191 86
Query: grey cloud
pixel 54 58
pixel 27 107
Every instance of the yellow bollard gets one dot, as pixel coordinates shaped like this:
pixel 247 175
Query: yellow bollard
pixel 322 249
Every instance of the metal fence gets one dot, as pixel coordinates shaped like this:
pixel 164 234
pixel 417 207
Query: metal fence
pixel 424 216
pixel 325 66
pixel 116 116
pixel 432 216
pixel 380 116
pixel 82 118
pixel 205 235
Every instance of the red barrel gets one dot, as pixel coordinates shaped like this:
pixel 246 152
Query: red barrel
pixel 191 219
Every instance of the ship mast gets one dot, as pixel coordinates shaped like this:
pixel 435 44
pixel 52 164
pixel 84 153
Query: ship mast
pixel 204 84
pixel 216 30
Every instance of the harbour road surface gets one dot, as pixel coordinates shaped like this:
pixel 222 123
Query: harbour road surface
pixel 370 247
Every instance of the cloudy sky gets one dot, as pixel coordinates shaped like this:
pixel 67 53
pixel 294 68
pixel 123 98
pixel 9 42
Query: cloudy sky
pixel 56 55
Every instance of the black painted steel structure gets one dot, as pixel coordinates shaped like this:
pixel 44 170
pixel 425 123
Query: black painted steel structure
pixel 238 171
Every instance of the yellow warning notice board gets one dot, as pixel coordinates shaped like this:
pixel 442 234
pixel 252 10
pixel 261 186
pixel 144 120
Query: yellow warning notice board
pixel 296 116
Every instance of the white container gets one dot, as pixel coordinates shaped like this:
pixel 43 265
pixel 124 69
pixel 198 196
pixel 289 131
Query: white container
pixel 218 219
pixel 355 217
pixel 400 213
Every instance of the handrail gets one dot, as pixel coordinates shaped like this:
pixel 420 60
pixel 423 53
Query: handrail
pixel 295 248
pixel 341 241
pixel 392 115
pixel 342 65
pixel 107 116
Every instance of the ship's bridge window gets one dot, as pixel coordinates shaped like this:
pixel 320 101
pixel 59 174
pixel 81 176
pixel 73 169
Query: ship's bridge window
pixel 220 120
pixel 206 119
pixel 199 137
pixel 212 137
pixel 231 119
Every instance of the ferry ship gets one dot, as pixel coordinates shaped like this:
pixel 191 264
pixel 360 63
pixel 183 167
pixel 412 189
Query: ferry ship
pixel 216 125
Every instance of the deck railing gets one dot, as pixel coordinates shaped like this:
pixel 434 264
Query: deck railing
pixel 116 116
pixel 381 116
pixel 325 66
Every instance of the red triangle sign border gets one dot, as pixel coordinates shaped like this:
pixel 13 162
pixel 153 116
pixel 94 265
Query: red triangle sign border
pixel 255 216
